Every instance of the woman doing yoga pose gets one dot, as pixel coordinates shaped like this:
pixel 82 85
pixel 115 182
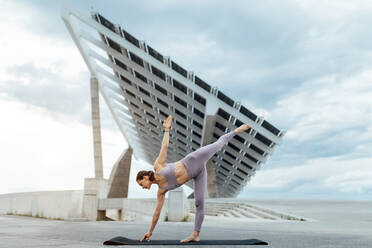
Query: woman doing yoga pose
pixel 173 175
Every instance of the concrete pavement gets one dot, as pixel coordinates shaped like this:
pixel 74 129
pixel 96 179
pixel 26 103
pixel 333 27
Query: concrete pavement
pixel 334 224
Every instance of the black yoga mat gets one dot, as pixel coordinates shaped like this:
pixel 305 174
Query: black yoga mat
pixel 125 241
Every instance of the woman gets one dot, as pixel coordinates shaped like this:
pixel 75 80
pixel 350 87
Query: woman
pixel 173 175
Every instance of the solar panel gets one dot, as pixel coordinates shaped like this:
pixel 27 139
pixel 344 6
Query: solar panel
pixel 263 139
pixel 199 98
pixel 225 98
pixel 106 23
pixel 120 64
pixel 131 39
pixel 179 86
pixel 202 84
pixel 223 114
pixel 140 76
pixel 270 127
pixel 246 165
pixel 160 89
pixel 155 54
pixel 179 69
pixel 114 45
pixel 256 149
pixel 136 59
pixel 248 113
pixel 158 72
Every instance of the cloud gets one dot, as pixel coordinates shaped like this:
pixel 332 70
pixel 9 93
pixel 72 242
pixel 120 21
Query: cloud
pixel 328 116
pixel 321 176
pixel 39 152
pixel 42 87
pixel 354 181
pixel 39 69
pixel 42 152
pixel 329 103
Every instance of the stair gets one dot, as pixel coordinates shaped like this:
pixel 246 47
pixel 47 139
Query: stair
pixel 241 210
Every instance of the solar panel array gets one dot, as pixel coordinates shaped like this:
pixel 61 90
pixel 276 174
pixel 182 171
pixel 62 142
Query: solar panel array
pixel 144 87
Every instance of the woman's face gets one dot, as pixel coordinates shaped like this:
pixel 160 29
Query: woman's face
pixel 145 183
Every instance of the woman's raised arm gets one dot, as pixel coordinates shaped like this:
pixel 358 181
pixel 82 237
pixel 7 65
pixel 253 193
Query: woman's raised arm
pixel 162 157
pixel 164 144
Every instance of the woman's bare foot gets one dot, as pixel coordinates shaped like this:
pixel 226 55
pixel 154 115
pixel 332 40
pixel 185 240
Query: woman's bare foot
pixel 242 128
pixel 167 122
pixel 192 238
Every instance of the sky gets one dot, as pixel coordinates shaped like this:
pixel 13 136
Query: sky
pixel 303 65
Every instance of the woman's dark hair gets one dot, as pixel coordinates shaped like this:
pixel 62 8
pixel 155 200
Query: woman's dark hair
pixel 143 173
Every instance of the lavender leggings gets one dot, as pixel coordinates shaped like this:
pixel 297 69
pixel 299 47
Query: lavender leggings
pixel 195 165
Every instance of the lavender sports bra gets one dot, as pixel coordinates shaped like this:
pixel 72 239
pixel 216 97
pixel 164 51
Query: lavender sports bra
pixel 168 173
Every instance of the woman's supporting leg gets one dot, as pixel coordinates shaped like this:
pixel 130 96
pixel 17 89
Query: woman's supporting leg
pixel 200 186
pixel 202 155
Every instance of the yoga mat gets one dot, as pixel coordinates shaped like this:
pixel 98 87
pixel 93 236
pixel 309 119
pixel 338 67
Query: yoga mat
pixel 125 241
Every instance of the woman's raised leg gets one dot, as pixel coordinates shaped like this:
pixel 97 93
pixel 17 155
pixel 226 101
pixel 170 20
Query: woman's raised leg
pixel 196 160
pixel 206 152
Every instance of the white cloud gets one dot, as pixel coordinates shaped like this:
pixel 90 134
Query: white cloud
pixel 38 68
pixel 322 174
pixel 334 10
pixel 327 104
pixel 22 45
pixel 357 181
pixel 40 153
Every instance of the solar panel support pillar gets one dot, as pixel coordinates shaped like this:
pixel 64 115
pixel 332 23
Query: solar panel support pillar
pixel 96 125
pixel 209 124
pixel 119 177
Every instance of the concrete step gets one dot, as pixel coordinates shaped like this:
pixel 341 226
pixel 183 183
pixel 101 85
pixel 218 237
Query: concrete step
pixel 207 213
pixel 213 212
pixel 77 219
pixel 242 210
pixel 226 214
pixel 258 213
pixel 234 213
pixel 208 206
pixel 245 214
pixel 276 214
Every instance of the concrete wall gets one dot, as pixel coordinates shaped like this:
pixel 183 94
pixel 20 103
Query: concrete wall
pixel 134 209
pixel 49 204
pixel 178 205
pixel 68 205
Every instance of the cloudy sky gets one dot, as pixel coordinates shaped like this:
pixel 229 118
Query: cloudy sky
pixel 303 65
